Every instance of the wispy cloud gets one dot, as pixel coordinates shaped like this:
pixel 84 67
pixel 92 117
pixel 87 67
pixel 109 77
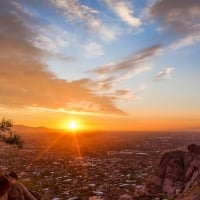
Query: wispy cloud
pixel 188 40
pixel 20 8
pixel 105 84
pixel 93 49
pixel 169 13
pixel 75 11
pixel 124 94
pixel 186 31
pixel 109 76
pixel 124 10
pixel 164 74
pixel 25 80
pixel 54 41
pixel 132 63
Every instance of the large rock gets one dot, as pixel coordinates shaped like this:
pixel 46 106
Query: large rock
pixel 4 186
pixel 11 189
pixel 178 172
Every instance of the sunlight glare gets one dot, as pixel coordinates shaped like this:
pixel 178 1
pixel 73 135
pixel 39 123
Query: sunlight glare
pixel 72 125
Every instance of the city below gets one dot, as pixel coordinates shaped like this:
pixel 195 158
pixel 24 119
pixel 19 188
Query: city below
pixel 90 165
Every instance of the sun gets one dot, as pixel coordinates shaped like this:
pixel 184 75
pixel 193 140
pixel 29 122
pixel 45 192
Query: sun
pixel 72 125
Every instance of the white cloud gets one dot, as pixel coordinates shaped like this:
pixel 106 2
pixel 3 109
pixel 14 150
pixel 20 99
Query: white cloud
pixel 45 43
pixel 93 49
pixel 111 74
pixel 53 40
pixel 73 10
pixel 21 8
pixel 191 39
pixel 134 64
pixel 164 74
pixel 135 71
pixel 124 10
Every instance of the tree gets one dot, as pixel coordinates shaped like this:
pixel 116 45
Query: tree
pixel 9 136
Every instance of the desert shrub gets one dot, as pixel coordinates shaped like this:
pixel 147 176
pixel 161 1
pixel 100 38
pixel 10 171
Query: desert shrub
pixel 9 136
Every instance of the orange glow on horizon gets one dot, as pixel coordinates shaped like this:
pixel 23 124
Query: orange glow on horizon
pixel 73 125
pixel 156 122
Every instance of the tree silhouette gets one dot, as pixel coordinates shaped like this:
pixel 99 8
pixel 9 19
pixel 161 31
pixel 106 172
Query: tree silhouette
pixel 9 136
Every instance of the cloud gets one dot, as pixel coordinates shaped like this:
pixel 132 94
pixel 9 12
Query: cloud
pixel 180 16
pixel 180 19
pixel 124 94
pixel 164 74
pixel 54 41
pixel 188 40
pixel 98 85
pixel 75 11
pixel 93 49
pixel 124 10
pixel 111 74
pixel 132 64
pixel 21 8
pixel 25 80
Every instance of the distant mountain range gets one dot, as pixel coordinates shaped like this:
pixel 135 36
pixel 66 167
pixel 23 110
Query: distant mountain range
pixel 28 129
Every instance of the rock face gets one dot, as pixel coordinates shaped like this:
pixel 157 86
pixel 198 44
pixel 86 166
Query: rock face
pixel 11 189
pixel 178 172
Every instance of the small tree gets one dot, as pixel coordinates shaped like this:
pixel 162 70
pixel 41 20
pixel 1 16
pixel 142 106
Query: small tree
pixel 9 136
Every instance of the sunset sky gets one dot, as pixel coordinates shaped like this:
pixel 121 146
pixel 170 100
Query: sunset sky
pixel 107 64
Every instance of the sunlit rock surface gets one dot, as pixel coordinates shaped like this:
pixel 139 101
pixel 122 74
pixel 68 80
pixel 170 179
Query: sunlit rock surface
pixel 178 174
pixel 11 189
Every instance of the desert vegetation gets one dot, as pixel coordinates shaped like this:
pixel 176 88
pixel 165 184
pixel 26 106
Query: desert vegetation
pixel 8 135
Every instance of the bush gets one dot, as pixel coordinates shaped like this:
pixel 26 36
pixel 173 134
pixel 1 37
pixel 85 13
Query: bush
pixel 7 135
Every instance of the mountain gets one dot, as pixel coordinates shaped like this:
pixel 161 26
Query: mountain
pixel 27 129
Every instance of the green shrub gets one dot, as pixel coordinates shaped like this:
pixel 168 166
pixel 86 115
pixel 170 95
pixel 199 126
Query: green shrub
pixel 7 135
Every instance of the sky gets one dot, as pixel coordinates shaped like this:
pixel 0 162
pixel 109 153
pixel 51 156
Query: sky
pixel 108 64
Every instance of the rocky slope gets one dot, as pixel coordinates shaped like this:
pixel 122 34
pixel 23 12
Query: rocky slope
pixel 11 189
pixel 178 174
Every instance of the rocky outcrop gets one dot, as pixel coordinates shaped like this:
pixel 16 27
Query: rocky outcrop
pixel 178 172
pixel 11 189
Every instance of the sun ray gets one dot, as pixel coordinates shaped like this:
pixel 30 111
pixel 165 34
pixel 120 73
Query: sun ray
pixel 78 150
pixel 45 151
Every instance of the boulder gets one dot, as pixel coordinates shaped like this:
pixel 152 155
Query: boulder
pixel 177 172
pixel 11 189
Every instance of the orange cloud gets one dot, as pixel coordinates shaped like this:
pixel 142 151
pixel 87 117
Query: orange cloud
pixel 25 80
